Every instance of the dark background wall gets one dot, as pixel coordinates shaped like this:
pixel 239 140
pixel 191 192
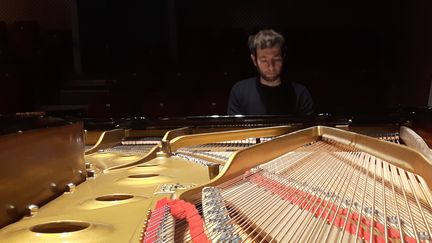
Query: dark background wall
pixel 177 58
pixel 35 52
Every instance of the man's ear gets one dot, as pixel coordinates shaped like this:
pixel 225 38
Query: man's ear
pixel 254 59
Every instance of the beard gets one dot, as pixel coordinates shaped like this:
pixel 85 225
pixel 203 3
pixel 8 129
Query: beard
pixel 266 77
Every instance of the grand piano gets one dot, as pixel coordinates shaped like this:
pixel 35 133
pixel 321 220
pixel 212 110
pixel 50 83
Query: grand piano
pixel 329 178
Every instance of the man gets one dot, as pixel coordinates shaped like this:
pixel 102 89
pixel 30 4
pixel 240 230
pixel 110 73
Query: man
pixel 267 94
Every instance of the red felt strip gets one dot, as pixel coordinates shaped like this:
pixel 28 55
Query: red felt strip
pixel 302 199
pixel 179 209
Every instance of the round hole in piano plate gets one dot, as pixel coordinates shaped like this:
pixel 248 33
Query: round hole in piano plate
pixel 114 197
pixel 59 227
pixel 143 176
pixel 147 165
pixel 125 155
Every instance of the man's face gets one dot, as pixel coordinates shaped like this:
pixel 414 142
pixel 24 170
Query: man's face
pixel 269 62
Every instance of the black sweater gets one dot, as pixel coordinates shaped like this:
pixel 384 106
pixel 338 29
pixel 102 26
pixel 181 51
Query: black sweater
pixel 250 97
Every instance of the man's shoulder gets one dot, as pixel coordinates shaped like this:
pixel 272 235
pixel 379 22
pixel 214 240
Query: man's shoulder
pixel 296 85
pixel 299 88
pixel 245 83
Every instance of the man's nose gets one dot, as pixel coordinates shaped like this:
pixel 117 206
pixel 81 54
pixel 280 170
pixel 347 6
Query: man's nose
pixel 271 65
